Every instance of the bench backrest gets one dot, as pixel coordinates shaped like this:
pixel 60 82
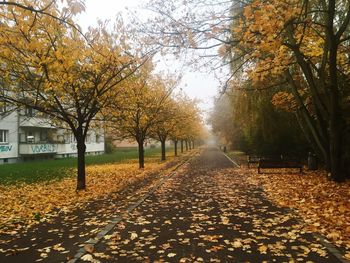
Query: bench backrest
pixel 253 158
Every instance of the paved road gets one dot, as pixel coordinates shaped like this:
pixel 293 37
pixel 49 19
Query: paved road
pixel 208 213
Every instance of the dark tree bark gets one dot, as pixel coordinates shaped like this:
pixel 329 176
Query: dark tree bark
pixel 329 118
pixel 317 135
pixel 306 132
pixel 81 148
pixel 141 154
pixel 335 133
pixel 186 145
pixel 182 146
pixel 163 150
pixel 175 147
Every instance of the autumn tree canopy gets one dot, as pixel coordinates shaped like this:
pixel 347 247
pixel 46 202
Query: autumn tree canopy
pixel 304 44
pixel 139 108
pixel 50 66
pixel 299 46
pixel 167 125
pixel 148 109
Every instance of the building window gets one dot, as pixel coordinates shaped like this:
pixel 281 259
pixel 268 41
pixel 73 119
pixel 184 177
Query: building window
pixel 29 112
pixel 43 135
pixel 4 134
pixel 30 137
pixel 72 138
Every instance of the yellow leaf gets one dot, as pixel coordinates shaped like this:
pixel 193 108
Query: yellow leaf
pixel 133 236
pixel 237 244
pixel 262 249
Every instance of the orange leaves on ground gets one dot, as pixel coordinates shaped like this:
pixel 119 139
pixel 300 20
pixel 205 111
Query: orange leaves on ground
pixel 31 203
pixel 324 205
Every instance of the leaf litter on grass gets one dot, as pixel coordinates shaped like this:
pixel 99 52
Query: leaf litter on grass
pixel 323 204
pixel 32 203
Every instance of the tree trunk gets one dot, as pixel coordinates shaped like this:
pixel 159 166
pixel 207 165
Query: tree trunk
pixel 307 134
pixel 318 137
pixel 141 154
pixel 81 148
pixel 192 144
pixel 163 150
pixel 175 147
pixel 182 146
pixel 335 148
pixel 186 145
pixel 335 133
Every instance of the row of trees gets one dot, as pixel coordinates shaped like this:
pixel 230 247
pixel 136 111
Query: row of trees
pixel 252 124
pixel 149 109
pixel 297 51
pixel 74 78
pixel 302 48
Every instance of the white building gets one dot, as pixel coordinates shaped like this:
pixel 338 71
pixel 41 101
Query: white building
pixel 26 136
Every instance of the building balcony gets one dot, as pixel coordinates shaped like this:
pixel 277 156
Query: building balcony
pixel 40 122
pixel 68 148
pixel 38 148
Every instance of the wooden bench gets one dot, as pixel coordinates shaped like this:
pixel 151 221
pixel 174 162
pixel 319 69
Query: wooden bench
pixel 252 159
pixel 279 164
pixel 256 158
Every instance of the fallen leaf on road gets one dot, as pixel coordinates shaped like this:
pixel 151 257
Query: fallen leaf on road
pixel 262 249
pixel 89 248
pixel 133 236
pixel 237 244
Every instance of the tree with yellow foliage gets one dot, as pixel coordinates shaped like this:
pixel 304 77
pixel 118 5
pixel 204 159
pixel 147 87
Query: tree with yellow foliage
pixel 300 44
pixel 305 44
pixel 179 120
pixel 45 7
pixel 166 126
pixel 49 66
pixel 138 109
pixel 191 125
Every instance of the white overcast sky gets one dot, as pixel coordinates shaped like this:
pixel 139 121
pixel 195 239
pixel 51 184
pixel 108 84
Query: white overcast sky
pixel 202 86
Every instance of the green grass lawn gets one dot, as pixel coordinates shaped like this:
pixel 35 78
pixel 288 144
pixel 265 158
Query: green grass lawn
pixel 47 170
